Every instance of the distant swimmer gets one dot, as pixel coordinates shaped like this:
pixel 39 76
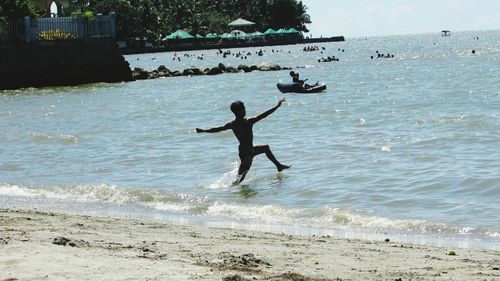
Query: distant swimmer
pixel 243 130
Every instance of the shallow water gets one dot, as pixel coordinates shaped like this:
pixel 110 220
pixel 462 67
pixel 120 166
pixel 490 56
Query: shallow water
pixel 405 148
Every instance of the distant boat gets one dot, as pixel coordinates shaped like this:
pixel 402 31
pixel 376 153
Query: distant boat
pixel 298 88
pixel 445 33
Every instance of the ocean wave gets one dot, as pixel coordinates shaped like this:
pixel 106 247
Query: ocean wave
pixel 493 234
pixel 102 193
pixel 201 206
pixel 46 138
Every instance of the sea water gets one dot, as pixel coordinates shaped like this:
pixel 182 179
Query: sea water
pixel 405 148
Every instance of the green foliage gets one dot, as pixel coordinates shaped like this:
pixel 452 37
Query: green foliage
pixel 155 18
pixel 288 13
pixel 88 14
pixel 15 9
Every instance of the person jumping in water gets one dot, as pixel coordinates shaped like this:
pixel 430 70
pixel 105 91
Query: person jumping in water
pixel 243 130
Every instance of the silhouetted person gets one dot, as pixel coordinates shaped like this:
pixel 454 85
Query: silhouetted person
pixel 243 130
pixel 296 79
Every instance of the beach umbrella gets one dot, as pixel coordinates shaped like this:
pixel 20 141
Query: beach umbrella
pixel 256 34
pixel 238 33
pixel 227 36
pixel 292 30
pixel 179 34
pixel 240 23
pixel 270 31
pixel 281 31
pixel 212 35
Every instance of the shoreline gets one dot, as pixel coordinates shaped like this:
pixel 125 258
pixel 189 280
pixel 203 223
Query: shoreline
pixel 56 246
pixel 197 46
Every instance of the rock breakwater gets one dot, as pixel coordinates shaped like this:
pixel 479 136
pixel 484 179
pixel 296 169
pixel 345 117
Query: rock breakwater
pixel 162 71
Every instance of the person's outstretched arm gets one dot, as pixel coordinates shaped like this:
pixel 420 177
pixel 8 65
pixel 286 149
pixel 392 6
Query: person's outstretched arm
pixel 215 129
pixel 267 112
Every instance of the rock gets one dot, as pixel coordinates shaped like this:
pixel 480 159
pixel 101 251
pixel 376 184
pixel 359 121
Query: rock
pixel 187 72
pixel 163 71
pixel 140 75
pixel 196 71
pixel 387 240
pixel 244 68
pixel 222 66
pixel 245 260
pixel 63 241
pixel 60 241
pixel 235 277
pixel 214 71
pixel 153 74
pixel 162 68
pixel 231 69
pixel 452 253
pixel 269 67
pixel 164 74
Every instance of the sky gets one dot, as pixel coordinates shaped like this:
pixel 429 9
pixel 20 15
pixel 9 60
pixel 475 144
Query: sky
pixel 358 18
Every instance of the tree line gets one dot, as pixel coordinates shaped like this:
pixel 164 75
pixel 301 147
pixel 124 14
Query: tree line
pixel 153 19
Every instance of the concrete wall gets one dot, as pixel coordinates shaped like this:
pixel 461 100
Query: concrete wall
pixel 62 63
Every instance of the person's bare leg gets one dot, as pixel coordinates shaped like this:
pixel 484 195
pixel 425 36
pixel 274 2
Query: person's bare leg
pixel 246 163
pixel 267 150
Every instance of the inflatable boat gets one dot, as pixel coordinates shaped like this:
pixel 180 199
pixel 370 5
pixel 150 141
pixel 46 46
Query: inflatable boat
pixel 298 88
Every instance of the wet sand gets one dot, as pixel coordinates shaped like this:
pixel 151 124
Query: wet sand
pixel 53 246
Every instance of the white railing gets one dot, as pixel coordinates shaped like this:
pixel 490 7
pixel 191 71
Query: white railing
pixel 59 28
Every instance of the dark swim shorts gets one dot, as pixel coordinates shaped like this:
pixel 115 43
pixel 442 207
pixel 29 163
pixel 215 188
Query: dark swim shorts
pixel 250 152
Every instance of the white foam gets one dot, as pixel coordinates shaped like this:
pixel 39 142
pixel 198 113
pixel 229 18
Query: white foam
pixel 226 181
pixel 385 148
pixel 493 234
pixel 80 193
pixel 172 207
pixel 321 218
pixel 15 190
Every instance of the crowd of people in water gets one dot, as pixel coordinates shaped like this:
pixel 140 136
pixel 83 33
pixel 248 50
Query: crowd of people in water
pixel 312 48
pixel 328 59
pixel 239 54
pixel 382 56
pixel 244 55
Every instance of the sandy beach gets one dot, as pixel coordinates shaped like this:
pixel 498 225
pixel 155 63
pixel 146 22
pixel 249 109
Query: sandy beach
pixel 52 246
